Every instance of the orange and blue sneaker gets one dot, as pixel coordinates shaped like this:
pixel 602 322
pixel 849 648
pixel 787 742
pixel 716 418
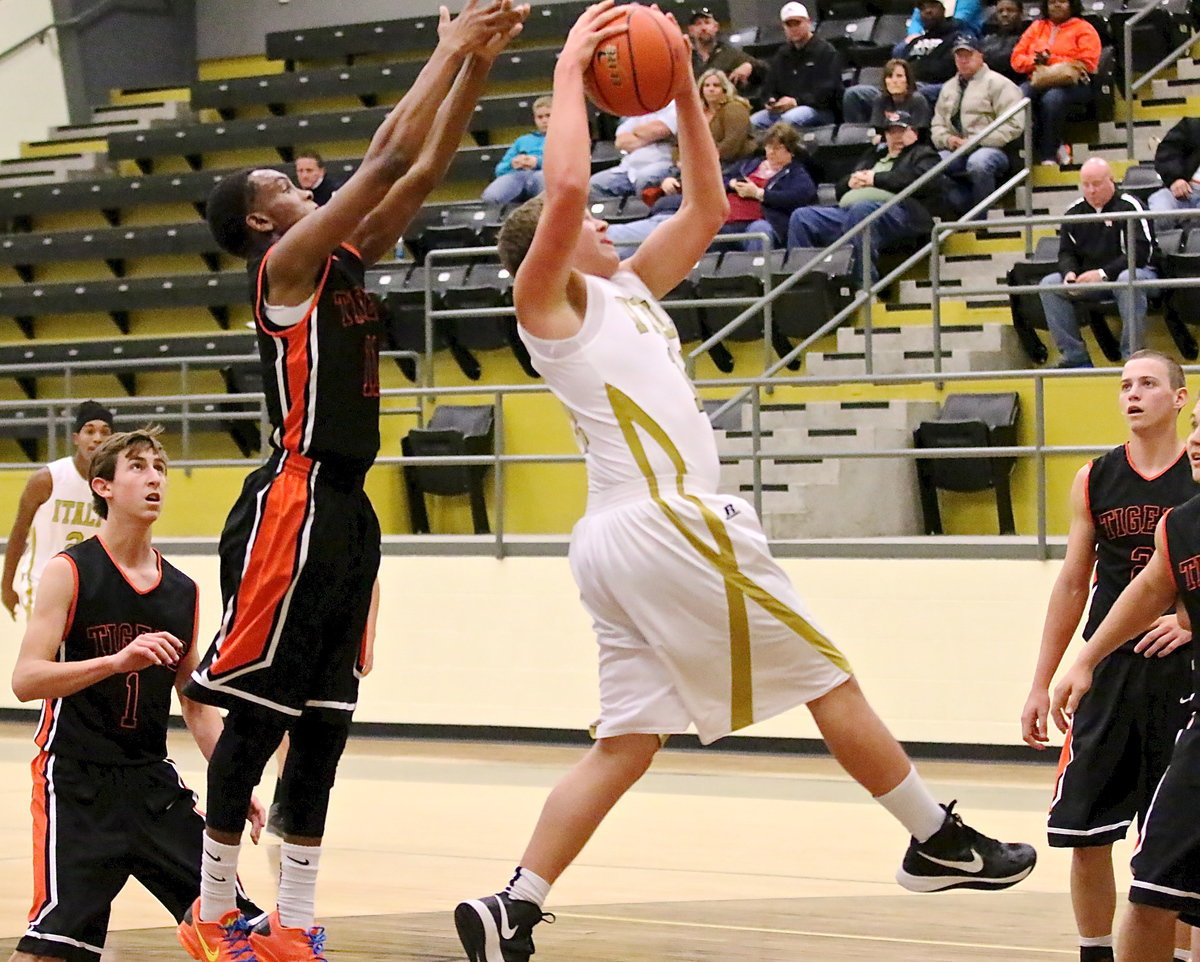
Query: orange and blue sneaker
pixel 275 942
pixel 227 940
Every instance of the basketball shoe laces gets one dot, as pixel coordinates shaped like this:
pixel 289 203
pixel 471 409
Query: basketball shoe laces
pixel 316 939
pixel 237 938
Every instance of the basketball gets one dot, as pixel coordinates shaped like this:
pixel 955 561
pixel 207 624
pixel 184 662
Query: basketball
pixel 634 72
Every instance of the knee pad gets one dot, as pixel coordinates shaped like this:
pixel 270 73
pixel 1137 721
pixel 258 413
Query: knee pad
pixel 318 739
pixel 251 734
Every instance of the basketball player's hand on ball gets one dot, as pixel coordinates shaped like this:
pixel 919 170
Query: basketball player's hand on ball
pixel 257 817
pixel 150 648
pixel 1164 637
pixel 1033 719
pixel 595 25
pixel 1067 694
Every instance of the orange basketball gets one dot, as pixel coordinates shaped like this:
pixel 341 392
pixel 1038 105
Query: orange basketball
pixel 634 72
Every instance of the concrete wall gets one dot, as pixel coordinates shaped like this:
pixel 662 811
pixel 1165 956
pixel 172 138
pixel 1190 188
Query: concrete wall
pixel 943 648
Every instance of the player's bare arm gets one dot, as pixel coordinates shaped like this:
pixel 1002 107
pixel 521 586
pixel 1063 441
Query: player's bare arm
pixel 1145 598
pixel 548 292
pixel 668 254
pixel 1068 599
pixel 294 266
pixel 37 492
pixel 38 673
pixel 378 232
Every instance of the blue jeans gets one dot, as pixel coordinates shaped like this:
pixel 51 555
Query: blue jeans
pixel 749 243
pixel 631 233
pixel 982 168
pixel 799 116
pixel 514 186
pixel 1164 200
pixel 1064 328
pixel 1050 107
pixel 616 182
pixel 821 226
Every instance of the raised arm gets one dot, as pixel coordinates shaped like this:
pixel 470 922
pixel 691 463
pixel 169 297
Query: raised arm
pixel 37 492
pixel 39 674
pixel 540 287
pixel 671 251
pixel 293 267
pixel 1068 598
pixel 377 233
pixel 1151 593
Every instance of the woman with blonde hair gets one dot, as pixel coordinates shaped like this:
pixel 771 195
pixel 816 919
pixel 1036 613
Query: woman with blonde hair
pixel 728 115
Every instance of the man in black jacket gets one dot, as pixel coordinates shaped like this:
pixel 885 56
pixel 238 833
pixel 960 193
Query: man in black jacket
pixel 1094 251
pixel 878 178
pixel 1177 161
pixel 804 76
pixel 710 52
pixel 930 55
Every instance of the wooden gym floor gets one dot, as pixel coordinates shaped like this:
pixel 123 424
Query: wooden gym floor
pixel 712 856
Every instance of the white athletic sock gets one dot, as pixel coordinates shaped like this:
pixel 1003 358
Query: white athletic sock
pixel 1182 955
pixel 218 879
pixel 1099 941
pixel 529 886
pixel 298 884
pixel 913 807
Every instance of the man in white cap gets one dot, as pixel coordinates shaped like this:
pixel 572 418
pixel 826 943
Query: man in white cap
pixel 804 76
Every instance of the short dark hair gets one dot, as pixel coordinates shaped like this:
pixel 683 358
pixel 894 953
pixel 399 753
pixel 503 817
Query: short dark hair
pixel 787 136
pixel 104 461
pixel 1175 376
pixel 228 204
pixel 1076 9
pixel 311 155
pixel 516 233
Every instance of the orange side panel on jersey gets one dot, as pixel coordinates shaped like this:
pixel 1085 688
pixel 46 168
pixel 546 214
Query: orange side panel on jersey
pixel 1064 759
pixel 296 373
pixel 270 570
pixel 45 723
pixel 41 834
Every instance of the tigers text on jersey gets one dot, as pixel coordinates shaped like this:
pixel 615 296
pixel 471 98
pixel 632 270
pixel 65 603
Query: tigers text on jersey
pixel 1125 507
pixel 65 518
pixel 321 375
pixel 121 720
pixel 622 380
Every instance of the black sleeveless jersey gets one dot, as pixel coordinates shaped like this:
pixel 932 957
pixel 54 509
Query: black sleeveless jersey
pixel 1126 507
pixel 321 375
pixel 1182 531
pixel 121 720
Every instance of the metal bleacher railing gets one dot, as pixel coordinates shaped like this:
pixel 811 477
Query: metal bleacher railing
pixel 1133 86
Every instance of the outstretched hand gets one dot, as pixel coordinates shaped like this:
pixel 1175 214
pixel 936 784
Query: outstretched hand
pixel 481 26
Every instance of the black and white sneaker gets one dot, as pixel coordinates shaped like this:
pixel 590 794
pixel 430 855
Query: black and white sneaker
pixel 958 857
pixel 497 928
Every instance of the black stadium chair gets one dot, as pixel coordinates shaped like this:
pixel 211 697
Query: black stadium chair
pixel 1027 313
pixel 454 430
pixel 1141 180
pixel 968 421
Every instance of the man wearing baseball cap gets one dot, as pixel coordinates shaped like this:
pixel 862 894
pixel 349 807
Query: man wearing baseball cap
pixel 710 52
pixel 57 505
pixel 968 103
pixel 804 75
pixel 879 177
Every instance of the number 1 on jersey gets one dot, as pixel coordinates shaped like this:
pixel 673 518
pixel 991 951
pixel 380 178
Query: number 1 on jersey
pixel 129 719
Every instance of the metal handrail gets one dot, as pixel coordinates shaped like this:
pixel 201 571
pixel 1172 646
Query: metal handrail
pixel 1132 86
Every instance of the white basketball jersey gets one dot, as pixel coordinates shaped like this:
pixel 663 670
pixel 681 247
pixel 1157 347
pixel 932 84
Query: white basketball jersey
pixel 636 414
pixel 65 518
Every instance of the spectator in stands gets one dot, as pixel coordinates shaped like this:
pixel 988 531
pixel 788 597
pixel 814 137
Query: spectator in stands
pixel 1177 161
pixel 898 91
pixel 1095 251
pixel 1058 54
pixel 880 176
pixel 311 175
pixel 645 143
pixel 929 55
pixel 710 52
pixel 1000 35
pixel 764 190
pixel 519 172
pixel 966 105
pixel 728 115
pixel 804 76
pixel 970 12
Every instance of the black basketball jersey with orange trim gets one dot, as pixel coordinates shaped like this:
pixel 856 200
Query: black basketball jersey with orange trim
pixel 1182 530
pixel 321 375
pixel 121 720
pixel 1126 507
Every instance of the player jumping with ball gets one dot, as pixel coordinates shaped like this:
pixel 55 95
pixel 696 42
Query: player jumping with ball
pixel 696 623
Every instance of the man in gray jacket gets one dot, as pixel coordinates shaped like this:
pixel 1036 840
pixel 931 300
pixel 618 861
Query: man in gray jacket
pixel 968 103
